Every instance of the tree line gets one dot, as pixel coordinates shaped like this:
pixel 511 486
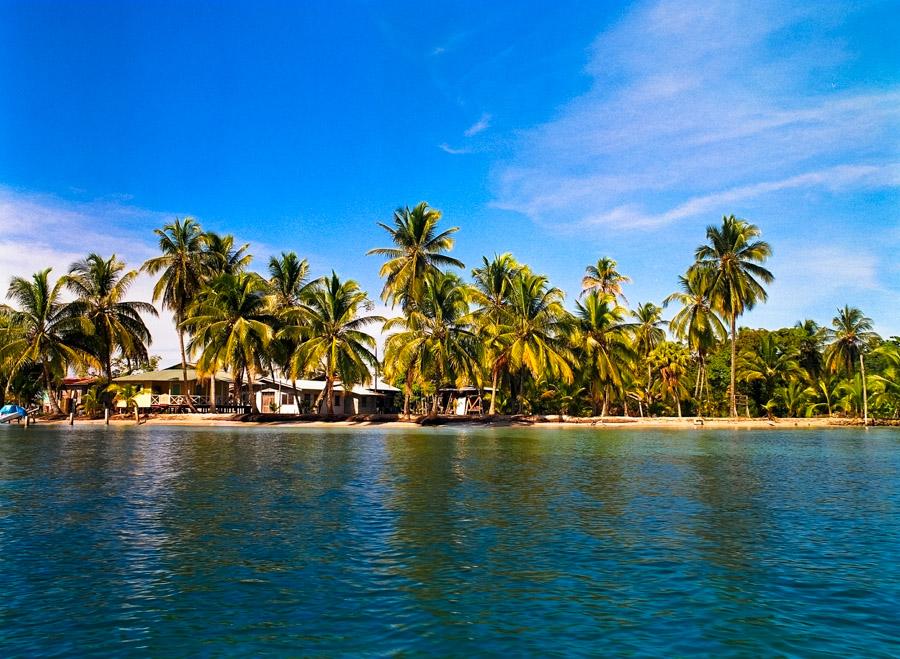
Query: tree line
pixel 504 329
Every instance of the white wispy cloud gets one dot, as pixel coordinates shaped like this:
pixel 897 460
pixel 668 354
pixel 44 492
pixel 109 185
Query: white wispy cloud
pixel 479 126
pixel 453 151
pixel 720 108
pixel 40 231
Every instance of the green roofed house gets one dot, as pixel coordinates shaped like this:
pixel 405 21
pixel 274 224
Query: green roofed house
pixel 163 391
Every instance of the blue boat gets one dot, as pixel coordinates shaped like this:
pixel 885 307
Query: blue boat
pixel 11 413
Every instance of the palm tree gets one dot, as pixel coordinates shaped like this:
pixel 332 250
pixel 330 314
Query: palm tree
pixel 794 395
pixel 490 292
pixel 182 268
pixel 288 287
pixel 435 341
pixel 603 340
pixel 732 259
pixel 47 331
pixel 827 389
pixel 647 332
pixel 696 322
pixel 221 257
pixel 769 363
pixel 811 339
pixel 850 336
pixel 671 360
pixel 231 327
pixel 533 331
pixel 100 286
pixel 604 278
pixel 288 280
pixel 418 250
pixel 333 341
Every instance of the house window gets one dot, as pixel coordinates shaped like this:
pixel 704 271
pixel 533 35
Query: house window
pixel 307 398
pixel 337 401
pixel 285 399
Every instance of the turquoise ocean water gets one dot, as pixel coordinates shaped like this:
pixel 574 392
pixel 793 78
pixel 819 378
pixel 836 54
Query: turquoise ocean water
pixel 184 542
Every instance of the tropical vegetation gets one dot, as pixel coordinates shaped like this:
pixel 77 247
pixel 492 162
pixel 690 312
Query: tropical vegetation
pixel 505 330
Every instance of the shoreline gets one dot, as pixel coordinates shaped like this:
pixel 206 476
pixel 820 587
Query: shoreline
pixel 549 422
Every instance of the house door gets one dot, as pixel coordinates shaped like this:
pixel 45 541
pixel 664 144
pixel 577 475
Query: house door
pixel 268 401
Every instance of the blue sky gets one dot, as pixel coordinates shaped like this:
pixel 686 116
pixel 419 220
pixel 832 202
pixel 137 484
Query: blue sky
pixel 559 132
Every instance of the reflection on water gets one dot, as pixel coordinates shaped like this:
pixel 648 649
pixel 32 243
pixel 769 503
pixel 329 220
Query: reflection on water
pixel 182 541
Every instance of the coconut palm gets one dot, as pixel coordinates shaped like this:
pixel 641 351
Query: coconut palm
pixel 647 332
pixel 827 391
pixel 333 342
pixel 850 336
pixel 770 363
pixel 44 331
pixel 604 278
pixel 434 340
pixel 794 396
pixel 602 337
pixel 100 286
pixel 671 360
pixel 231 327
pixel 731 259
pixel 419 249
pixel 288 280
pixel 532 334
pixel 182 270
pixel 696 322
pixel 221 256
pixel 490 292
pixel 810 350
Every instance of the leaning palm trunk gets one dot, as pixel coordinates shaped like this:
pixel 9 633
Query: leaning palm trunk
pixel 184 377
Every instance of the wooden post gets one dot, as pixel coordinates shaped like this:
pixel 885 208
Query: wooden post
pixel 71 418
pixel 27 420
pixel 137 415
pixel 106 415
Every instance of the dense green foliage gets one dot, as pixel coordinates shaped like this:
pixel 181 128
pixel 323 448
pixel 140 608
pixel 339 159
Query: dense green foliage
pixel 506 331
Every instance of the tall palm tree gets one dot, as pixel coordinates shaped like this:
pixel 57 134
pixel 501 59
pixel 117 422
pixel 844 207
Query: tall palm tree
pixel 490 292
pixel 534 330
pixel 47 332
pixel 602 336
pixel 182 273
pixel 288 286
pixel 850 336
pixel 434 340
pixel 221 256
pixel 333 341
pixel 100 286
pixel 696 322
pixel 419 249
pixel 732 258
pixel 288 279
pixel 231 327
pixel 604 278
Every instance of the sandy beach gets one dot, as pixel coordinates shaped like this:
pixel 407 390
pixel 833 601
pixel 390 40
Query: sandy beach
pixel 546 422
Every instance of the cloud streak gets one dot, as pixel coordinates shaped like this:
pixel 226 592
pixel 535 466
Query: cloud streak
pixel 479 126
pixel 701 125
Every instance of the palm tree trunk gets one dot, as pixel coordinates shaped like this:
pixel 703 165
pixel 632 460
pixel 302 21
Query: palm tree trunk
pixel 862 371
pixel 436 405
pixel 212 393
pixel 253 407
pixel 733 370
pixel 296 395
pixel 678 405
pixel 605 401
pixel 184 378
pixel 329 394
pixel 495 376
pixel 54 403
